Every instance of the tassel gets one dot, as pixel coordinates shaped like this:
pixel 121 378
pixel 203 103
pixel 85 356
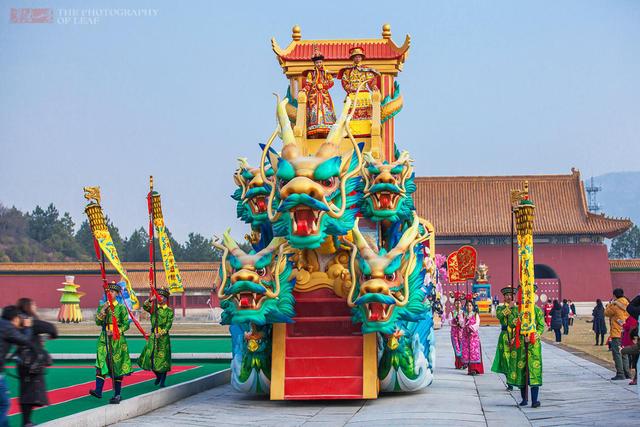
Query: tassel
pixel 532 338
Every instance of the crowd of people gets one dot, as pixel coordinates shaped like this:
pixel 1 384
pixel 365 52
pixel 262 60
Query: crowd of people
pixel 559 317
pixel 21 340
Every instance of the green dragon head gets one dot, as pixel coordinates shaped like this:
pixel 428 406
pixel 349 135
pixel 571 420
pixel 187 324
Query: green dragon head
pixel 317 192
pixel 388 188
pixel 251 194
pixel 255 287
pixel 390 285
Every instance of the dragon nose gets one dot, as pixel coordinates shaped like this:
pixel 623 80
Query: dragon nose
pixel 385 178
pixel 302 185
pixel 375 286
pixel 245 275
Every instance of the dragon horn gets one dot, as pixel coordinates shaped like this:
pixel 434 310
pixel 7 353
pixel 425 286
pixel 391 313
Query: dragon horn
pixel 407 238
pixel 286 131
pixel 361 242
pixel 243 163
pixel 228 241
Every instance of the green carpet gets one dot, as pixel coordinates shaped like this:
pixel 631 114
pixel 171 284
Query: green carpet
pixel 57 378
pixel 178 345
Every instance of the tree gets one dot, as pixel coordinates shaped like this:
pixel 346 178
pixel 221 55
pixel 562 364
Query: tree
pixel 627 245
pixel 84 238
pixel 197 248
pixel 136 247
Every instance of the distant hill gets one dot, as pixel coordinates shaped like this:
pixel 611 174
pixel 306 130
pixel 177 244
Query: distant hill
pixel 620 195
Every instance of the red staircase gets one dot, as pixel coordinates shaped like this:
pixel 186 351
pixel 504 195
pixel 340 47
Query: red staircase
pixel 323 356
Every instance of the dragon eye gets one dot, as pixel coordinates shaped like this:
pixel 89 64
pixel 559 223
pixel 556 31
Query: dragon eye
pixel 261 272
pixel 366 277
pixel 390 277
pixel 328 182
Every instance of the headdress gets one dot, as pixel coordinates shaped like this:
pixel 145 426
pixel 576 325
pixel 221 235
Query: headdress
pixel 356 51
pixel 164 292
pixel 113 286
pixel 317 54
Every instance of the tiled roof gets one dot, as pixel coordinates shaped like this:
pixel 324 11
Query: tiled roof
pixel 338 49
pixel 632 264
pixel 195 275
pixel 480 206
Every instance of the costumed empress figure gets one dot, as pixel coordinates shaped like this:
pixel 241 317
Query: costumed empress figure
pixel 457 326
pixel 320 112
pixel 471 347
pixel 352 77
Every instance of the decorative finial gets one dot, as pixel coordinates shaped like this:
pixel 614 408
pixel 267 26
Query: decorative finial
pixel 296 33
pixel 151 182
pixel 386 31
pixel 92 193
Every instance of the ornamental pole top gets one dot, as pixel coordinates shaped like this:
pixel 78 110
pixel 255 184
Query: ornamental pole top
pixel 296 33
pixel 386 31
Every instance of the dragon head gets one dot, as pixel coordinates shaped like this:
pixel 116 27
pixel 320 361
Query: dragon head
pixel 251 194
pixel 388 188
pixel 389 288
pixel 316 193
pixel 256 287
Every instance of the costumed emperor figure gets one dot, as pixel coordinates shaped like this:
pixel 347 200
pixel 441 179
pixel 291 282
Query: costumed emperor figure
pixel 526 367
pixel 156 355
pixel 112 356
pixel 507 314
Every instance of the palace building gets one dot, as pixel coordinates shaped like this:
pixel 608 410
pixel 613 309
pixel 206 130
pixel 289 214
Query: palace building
pixel 571 259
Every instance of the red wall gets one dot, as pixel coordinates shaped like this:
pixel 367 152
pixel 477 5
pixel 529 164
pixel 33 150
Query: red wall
pixel 583 269
pixel 627 280
pixel 42 289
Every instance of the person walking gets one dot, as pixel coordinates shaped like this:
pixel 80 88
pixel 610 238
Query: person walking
pixel 31 365
pixel 547 313
pixel 566 310
pixel 616 311
pixel 112 356
pixel 506 314
pixel 556 320
pixel 572 314
pixel 599 324
pixel 526 366
pixel 156 355
pixel 9 335
pixel 471 346
pixel 457 325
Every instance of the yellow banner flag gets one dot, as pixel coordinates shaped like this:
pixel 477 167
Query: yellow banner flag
pixel 174 279
pixel 109 249
pixel 527 279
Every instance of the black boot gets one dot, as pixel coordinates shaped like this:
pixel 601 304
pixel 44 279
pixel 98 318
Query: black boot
pixel 535 403
pixel 523 394
pixel 158 377
pixel 117 388
pixel 97 392
pixel 163 378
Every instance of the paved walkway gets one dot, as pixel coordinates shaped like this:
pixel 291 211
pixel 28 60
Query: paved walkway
pixel 575 392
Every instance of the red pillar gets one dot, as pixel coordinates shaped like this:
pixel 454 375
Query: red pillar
pixel 184 304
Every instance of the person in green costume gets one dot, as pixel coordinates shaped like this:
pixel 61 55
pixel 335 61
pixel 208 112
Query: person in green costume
pixel 112 356
pixel 507 315
pixel 156 355
pixel 526 365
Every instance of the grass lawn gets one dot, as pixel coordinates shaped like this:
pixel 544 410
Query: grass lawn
pixel 582 337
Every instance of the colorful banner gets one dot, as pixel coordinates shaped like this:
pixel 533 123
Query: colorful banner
pixel 174 279
pixel 109 249
pixel 527 279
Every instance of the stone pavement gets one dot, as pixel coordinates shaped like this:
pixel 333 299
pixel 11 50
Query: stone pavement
pixel 575 392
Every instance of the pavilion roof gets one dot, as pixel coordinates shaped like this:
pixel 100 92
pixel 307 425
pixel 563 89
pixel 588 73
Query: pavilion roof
pixel 480 206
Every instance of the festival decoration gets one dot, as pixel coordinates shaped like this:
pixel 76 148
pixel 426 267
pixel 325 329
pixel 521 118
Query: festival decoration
pixel 70 301
pixel 524 213
pixel 461 264
pixel 171 271
pixel 333 228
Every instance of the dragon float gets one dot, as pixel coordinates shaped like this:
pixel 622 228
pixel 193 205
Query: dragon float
pixel 333 300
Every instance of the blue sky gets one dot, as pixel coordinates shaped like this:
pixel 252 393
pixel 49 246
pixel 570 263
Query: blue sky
pixel 490 88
